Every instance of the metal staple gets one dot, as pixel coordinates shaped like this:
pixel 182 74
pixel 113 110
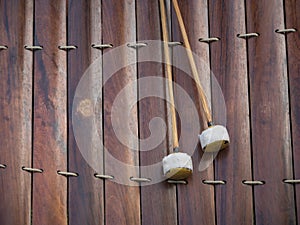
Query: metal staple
pixel 292 181
pixel 102 176
pixel 140 179
pixel 67 47
pixel 253 182
pixel 249 35
pixel 33 47
pixel 67 174
pixel 209 40
pixel 285 31
pixel 174 43
pixel 3 166
pixel 136 45
pixel 101 46
pixel 214 182
pixel 3 47
pixel 32 170
pixel 177 182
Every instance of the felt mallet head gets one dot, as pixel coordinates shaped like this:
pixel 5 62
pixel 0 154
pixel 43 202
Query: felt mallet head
pixel 177 166
pixel 214 138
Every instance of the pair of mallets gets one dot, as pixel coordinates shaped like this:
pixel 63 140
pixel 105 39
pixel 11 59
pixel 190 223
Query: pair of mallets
pixel 178 165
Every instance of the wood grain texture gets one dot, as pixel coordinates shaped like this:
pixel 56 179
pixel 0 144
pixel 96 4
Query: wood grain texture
pixel 229 65
pixel 86 202
pixel 195 200
pixel 50 114
pixel 16 20
pixel 158 208
pixel 293 42
pixel 272 158
pixel 122 203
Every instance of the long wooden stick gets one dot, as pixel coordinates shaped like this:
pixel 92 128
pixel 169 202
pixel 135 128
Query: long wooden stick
pixel 187 45
pixel 169 73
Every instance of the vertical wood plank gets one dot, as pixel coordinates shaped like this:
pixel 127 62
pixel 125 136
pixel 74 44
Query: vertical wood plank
pixel 50 120
pixel 85 192
pixel 272 158
pixel 195 200
pixel 229 65
pixel 122 202
pixel 158 200
pixel 293 42
pixel 16 25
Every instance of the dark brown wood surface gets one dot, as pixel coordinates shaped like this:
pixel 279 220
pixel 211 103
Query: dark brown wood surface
pixel 258 76
pixel 50 114
pixel 122 202
pixel 229 65
pixel 86 204
pixel 195 200
pixel 272 154
pixel 293 42
pixel 16 18
pixel 158 200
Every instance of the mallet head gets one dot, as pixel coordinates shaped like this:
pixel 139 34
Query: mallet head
pixel 177 166
pixel 214 138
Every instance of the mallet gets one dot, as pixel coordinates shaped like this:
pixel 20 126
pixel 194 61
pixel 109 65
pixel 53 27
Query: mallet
pixel 215 137
pixel 177 165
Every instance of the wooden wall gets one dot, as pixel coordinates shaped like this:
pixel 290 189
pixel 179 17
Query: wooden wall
pixel 70 155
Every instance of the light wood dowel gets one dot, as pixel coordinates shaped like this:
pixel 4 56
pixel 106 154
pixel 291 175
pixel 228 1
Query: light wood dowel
pixel 169 73
pixel 186 43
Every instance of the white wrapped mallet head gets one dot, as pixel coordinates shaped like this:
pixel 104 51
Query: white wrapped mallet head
pixel 177 166
pixel 214 138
